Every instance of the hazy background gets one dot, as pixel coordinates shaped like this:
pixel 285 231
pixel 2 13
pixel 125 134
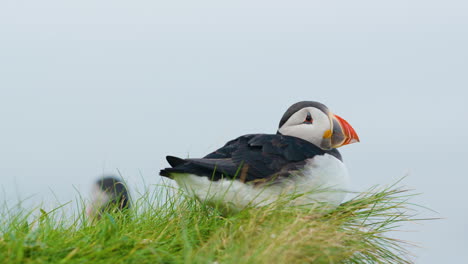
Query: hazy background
pixel 91 87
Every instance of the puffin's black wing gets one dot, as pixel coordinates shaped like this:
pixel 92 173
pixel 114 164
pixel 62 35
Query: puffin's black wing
pixel 257 157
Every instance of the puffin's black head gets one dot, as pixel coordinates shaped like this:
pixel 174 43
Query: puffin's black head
pixel 314 122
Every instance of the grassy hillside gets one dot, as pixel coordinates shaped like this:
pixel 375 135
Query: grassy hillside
pixel 187 231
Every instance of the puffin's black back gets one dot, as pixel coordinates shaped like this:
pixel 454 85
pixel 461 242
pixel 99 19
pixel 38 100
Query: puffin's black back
pixel 251 158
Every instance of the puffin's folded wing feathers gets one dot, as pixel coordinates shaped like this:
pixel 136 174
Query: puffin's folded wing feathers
pixel 249 158
pixel 230 147
pixel 175 161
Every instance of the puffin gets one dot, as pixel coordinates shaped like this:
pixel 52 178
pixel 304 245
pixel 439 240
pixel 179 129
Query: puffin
pixel 109 195
pixel 301 160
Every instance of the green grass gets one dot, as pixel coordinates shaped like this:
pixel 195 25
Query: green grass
pixel 187 231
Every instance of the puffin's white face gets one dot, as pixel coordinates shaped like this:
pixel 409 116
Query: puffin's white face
pixel 309 123
pixel 313 122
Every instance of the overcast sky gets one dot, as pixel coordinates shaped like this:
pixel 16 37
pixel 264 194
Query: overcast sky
pixel 91 87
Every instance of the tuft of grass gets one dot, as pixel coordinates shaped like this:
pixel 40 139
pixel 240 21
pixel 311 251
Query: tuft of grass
pixel 166 228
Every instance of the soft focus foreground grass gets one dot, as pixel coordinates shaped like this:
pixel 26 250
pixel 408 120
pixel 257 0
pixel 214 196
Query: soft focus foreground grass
pixel 187 231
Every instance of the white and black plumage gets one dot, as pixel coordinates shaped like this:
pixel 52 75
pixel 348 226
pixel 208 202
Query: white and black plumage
pixel 256 169
pixel 109 194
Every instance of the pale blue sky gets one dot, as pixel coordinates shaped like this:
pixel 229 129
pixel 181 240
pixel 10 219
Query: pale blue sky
pixel 88 87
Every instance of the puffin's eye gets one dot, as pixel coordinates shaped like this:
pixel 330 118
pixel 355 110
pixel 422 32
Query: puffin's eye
pixel 308 119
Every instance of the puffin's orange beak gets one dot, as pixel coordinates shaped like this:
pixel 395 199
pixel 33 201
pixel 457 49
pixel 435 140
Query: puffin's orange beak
pixel 350 136
pixel 343 133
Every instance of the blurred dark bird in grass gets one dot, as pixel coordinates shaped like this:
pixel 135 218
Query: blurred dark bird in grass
pixel 109 195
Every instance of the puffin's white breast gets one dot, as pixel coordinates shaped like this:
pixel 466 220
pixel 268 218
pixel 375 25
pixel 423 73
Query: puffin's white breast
pixel 328 176
pixel 324 178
